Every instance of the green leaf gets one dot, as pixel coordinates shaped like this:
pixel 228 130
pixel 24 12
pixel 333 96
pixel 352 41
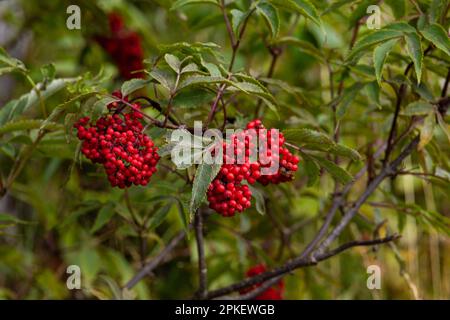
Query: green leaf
pixel 415 52
pixel 8 218
pixel 10 62
pixel 213 70
pixel 173 62
pixel 191 67
pixel 132 85
pixel 100 106
pixel 417 108
pixel 312 170
pixel 401 26
pixel 436 9
pixel 309 138
pixel 348 96
pixel 187 47
pixel 164 78
pixel 28 125
pixel 260 204
pixel 372 39
pixel 294 91
pixel 373 92
pixel 237 17
pixel 271 17
pixel 48 71
pixel 443 125
pixel 338 173
pixel 436 34
pixel 303 7
pixel 303 46
pixel 183 211
pixel 30 100
pixel 191 99
pixel 332 7
pixel 67 106
pixel 315 140
pixel 379 57
pixel 358 11
pixel 398 7
pixel 251 88
pixel 426 131
pixel 345 151
pixel 159 216
pixel 203 177
pixel 181 3
pixel 104 215
pixel 202 80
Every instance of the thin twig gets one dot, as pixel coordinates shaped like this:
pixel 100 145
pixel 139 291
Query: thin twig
pixel 445 87
pixel 400 96
pixel 235 43
pixel 148 268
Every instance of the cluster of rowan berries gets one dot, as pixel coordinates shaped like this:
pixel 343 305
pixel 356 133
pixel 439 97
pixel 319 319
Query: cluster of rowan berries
pixel 273 293
pixel 116 140
pixel 124 47
pixel 272 150
pixel 226 194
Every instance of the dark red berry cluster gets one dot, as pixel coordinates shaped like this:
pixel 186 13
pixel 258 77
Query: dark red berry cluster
pixel 116 140
pixel 273 293
pixel 272 150
pixel 226 194
pixel 124 47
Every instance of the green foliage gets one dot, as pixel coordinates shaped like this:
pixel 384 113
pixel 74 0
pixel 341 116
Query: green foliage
pixel 348 100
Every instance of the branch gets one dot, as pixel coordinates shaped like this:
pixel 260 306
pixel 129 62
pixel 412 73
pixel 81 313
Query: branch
pixel 2 188
pixel 275 53
pixel 400 96
pixel 445 87
pixel 202 268
pixel 235 43
pixel 275 274
pixel 227 23
pixel 385 172
pixel 338 202
pixel 148 268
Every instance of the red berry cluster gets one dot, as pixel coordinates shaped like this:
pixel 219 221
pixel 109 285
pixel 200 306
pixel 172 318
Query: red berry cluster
pixel 226 194
pixel 273 293
pixel 124 47
pixel 288 163
pixel 117 141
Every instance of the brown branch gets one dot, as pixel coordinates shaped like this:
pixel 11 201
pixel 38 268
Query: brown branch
pixel 148 268
pixel 445 87
pixel 338 201
pixel 2 188
pixel 275 53
pixel 202 268
pixel 385 172
pixel 235 43
pixel 400 96
pixel 275 274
